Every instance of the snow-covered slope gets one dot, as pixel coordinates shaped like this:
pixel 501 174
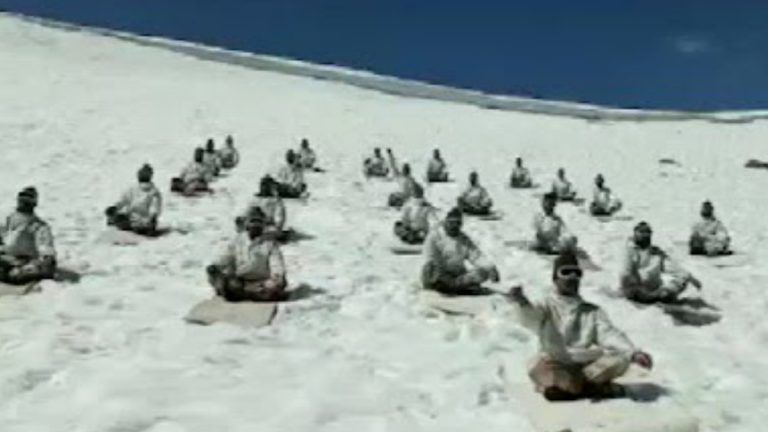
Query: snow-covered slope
pixel 80 113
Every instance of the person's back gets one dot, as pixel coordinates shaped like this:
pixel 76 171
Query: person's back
pixel 252 260
pixel 290 175
pixel 273 208
pixel 195 172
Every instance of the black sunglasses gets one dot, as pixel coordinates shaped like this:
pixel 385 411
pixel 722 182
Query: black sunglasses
pixel 569 271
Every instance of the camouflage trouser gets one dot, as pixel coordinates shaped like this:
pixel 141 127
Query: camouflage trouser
pixel 576 379
pixel 596 209
pixel 408 234
pixel 290 191
pixel 712 246
pixel 188 188
pixel 124 222
pixel 517 182
pixel 670 287
pixel 396 199
pixel 474 209
pixel 468 282
pixel 437 177
pixel 23 270
pixel 236 289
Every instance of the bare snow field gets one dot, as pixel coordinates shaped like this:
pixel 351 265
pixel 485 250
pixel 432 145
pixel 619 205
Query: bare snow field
pixel 80 113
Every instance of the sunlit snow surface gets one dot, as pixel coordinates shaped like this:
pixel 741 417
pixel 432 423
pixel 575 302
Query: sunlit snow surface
pixel 80 113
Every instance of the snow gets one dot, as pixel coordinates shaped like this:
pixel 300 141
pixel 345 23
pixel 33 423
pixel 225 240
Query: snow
pixel 80 113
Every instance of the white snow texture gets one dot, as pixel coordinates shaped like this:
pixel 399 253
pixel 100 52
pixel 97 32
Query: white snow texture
pixel 79 113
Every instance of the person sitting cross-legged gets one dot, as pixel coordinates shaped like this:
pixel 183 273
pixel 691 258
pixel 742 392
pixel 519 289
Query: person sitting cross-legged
pixel 437 170
pixel 27 253
pixel 475 199
pixel 649 275
pixel 139 207
pixel 413 226
pixel 551 234
pixel 375 166
pixel 229 156
pixel 604 203
pixel 521 177
pixel 195 178
pixel 448 250
pixel 709 236
pixel 290 177
pixel 252 267
pixel 562 187
pixel 581 352
pixel 268 202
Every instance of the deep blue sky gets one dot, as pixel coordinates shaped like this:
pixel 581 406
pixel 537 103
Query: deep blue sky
pixel 684 54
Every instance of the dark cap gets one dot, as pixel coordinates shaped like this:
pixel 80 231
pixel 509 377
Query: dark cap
pixel 28 193
pixel 643 226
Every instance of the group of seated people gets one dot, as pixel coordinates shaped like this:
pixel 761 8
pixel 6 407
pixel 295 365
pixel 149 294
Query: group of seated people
pixel 207 164
pixel 251 268
pixel 581 351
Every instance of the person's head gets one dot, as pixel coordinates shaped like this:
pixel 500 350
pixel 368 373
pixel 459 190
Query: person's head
pixel 267 186
pixel 567 273
pixel 436 154
pixel 519 162
pixel 229 141
pixel 406 169
pixel 418 191
pixel 453 222
pixel 473 178
pixel 290 157
pixel 26 200
pixel 643 234
pixel 304 143
pixel 561 172
pixel 210 147
pixel 144 174
pixel 199 154
pixel 548 202
pixel 707 210
pixel 599 180
pixel 377 152
pixel 255 222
